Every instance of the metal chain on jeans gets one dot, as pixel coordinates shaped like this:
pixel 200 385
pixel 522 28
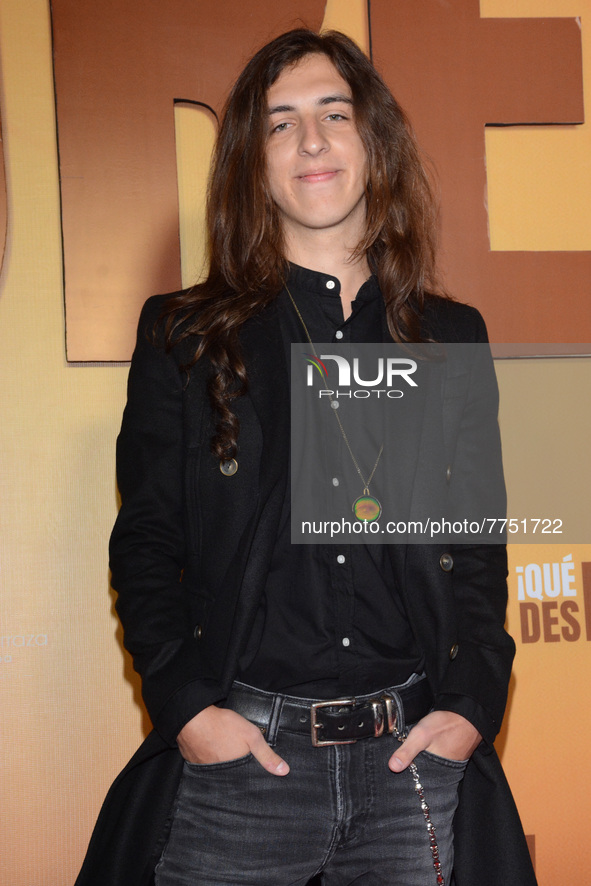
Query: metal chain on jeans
pixel 402 736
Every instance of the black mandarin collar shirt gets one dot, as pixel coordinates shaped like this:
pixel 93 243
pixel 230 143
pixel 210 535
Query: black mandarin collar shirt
pixel 331 622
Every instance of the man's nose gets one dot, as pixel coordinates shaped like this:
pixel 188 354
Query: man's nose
pixel 313 139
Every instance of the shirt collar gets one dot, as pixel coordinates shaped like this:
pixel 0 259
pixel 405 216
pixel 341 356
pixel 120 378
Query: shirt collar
pixel 305 280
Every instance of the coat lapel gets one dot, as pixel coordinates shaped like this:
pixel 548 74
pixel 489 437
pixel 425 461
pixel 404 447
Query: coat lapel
pixel 264 356
pixel 268 389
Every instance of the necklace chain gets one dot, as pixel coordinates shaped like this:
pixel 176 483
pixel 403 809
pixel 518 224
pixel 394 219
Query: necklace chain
pixel 334 404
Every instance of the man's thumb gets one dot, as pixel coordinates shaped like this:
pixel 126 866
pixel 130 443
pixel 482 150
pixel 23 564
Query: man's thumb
pixel 401 758
pixel 269 760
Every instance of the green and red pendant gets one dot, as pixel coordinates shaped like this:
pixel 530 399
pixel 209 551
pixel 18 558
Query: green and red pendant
pixel 366 507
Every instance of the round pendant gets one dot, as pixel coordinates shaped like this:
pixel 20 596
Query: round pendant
pixel 366 507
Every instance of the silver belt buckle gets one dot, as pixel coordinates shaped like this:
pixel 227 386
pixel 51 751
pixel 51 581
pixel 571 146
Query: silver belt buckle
pixel 316 727
pixel 391 713
pixel 377 707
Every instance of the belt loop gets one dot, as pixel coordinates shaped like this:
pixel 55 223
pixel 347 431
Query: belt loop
pixel 274 717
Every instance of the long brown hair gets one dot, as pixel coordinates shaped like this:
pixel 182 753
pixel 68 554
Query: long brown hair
pixel 247 265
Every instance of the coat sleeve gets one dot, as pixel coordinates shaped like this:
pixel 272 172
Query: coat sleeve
pixel 148 545
pixel 479 657
pixel 476 679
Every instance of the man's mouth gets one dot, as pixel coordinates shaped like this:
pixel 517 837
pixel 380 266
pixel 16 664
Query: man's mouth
pixel 318 175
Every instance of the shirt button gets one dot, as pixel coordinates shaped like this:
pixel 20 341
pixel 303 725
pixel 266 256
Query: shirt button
pixel 330 284
pixel 345 641
pixel 341 558
pixel 338 334
pixel 335 481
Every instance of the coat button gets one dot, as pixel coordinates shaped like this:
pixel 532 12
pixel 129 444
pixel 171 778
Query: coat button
pixel 453 651
pixel 446 562
pixel 229 467
pixel 448 473
pixel 198 632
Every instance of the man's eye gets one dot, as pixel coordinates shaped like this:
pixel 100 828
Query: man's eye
pixel 336 116
pixel 281 127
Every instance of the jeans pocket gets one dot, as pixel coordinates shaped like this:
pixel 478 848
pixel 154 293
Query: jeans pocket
pixel 217 767
pixel 444 761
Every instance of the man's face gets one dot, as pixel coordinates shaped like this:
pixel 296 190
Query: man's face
pixel 316 162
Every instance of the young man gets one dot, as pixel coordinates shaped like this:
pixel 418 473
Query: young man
pixel 282 679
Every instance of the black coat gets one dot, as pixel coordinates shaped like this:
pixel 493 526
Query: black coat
pixel 182 517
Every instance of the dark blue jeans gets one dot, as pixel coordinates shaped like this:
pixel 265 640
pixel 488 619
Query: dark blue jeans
pixel 339 811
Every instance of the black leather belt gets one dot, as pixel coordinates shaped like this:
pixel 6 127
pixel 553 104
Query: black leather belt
pixel 339 721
